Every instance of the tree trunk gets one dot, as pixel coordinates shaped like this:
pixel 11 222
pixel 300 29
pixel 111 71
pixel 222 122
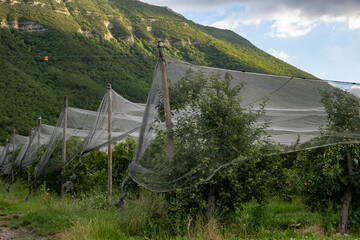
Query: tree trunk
pixel 210 204
pixel 344 214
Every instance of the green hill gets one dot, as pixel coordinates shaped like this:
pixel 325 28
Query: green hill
pixel 92 42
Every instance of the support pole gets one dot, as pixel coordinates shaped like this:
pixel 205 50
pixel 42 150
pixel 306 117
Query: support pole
pixel 39 132
pixel 13 140
pixel 170 140
pixel 30 139
pixel 13 154
pixel 6 151
pixel 38 146
pixel 7 146
pixel 28 170
pixel 63 155
pixel 109 139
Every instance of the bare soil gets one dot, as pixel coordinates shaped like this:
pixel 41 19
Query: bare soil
pixel 21 232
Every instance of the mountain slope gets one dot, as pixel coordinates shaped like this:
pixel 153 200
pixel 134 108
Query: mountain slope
pixel 92 42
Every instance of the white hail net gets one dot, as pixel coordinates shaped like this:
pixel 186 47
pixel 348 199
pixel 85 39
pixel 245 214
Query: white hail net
pixel 2 155
pixel 8 157
pixel 125 121
pixel 294 112
pixel 78 127
pixel 290 115
pixel 87 131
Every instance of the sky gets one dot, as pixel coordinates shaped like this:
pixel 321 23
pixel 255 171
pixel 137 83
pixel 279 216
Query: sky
pixel 321 37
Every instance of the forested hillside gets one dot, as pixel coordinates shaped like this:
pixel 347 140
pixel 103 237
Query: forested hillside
pixel 92 42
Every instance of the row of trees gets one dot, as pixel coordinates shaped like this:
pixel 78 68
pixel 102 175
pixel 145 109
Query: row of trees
pixel 211 127
pixel 215 129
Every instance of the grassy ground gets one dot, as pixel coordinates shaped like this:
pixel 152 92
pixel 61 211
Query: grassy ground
pixel 45 216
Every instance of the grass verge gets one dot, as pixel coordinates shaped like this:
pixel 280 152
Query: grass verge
pixel 93 217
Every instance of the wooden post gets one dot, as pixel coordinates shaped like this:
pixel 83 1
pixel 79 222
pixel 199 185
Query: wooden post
pixel 13 142
pixel 39 132
pixel 109 139
pixel 30 136
pixel 30 140
pixel 13 155
pixel 6 150
pixel 63 155
pixel 7 145
pixel 38 147
pixel 170 140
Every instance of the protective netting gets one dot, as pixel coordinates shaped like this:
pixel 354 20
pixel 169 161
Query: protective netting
pixel 88 131
pixel 78 124
pixel 125 121
pixel 11 152
pixel 2 148
pixel 278 114
pixel 37 142
pixel 3 154
pixel 65 142
pixel 126 118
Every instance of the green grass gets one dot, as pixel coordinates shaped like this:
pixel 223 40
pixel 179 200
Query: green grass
pixel 46 214
pixel 146 218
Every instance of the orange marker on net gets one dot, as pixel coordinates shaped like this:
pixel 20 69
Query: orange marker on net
pixel 46 58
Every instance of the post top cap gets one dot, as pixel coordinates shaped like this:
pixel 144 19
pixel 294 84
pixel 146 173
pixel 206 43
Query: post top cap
pixel 160 44
pixel 109 86
pixel 39 118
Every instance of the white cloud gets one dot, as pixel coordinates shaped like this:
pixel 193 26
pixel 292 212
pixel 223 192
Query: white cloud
pixel 354 23
pixel 230 22
pixel 289 18
pixel 351 88
pixel 281 55
pixel 288 29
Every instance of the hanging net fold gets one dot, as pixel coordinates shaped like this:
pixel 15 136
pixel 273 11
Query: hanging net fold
pixel 278 114
pixel 37 142
pixel 10 154
pixel 3 154
pixel 88 131
pixel 126 121
pixel 78 123
pixel 126 118
pixel 2 148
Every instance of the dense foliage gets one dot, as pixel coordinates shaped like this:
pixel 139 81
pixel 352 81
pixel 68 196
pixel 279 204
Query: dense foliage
pixel 211 130
pixel 324 172
pixel 92 173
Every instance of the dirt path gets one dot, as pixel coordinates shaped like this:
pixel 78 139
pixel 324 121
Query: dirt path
pixel 9 233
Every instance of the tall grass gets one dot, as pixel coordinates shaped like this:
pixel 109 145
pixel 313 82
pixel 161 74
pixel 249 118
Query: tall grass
pixel 92 216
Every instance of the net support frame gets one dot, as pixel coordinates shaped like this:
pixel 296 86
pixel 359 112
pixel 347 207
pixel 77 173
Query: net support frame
pixel 165 88
pixel 13 143
pixel 63 154
pixel 109 192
